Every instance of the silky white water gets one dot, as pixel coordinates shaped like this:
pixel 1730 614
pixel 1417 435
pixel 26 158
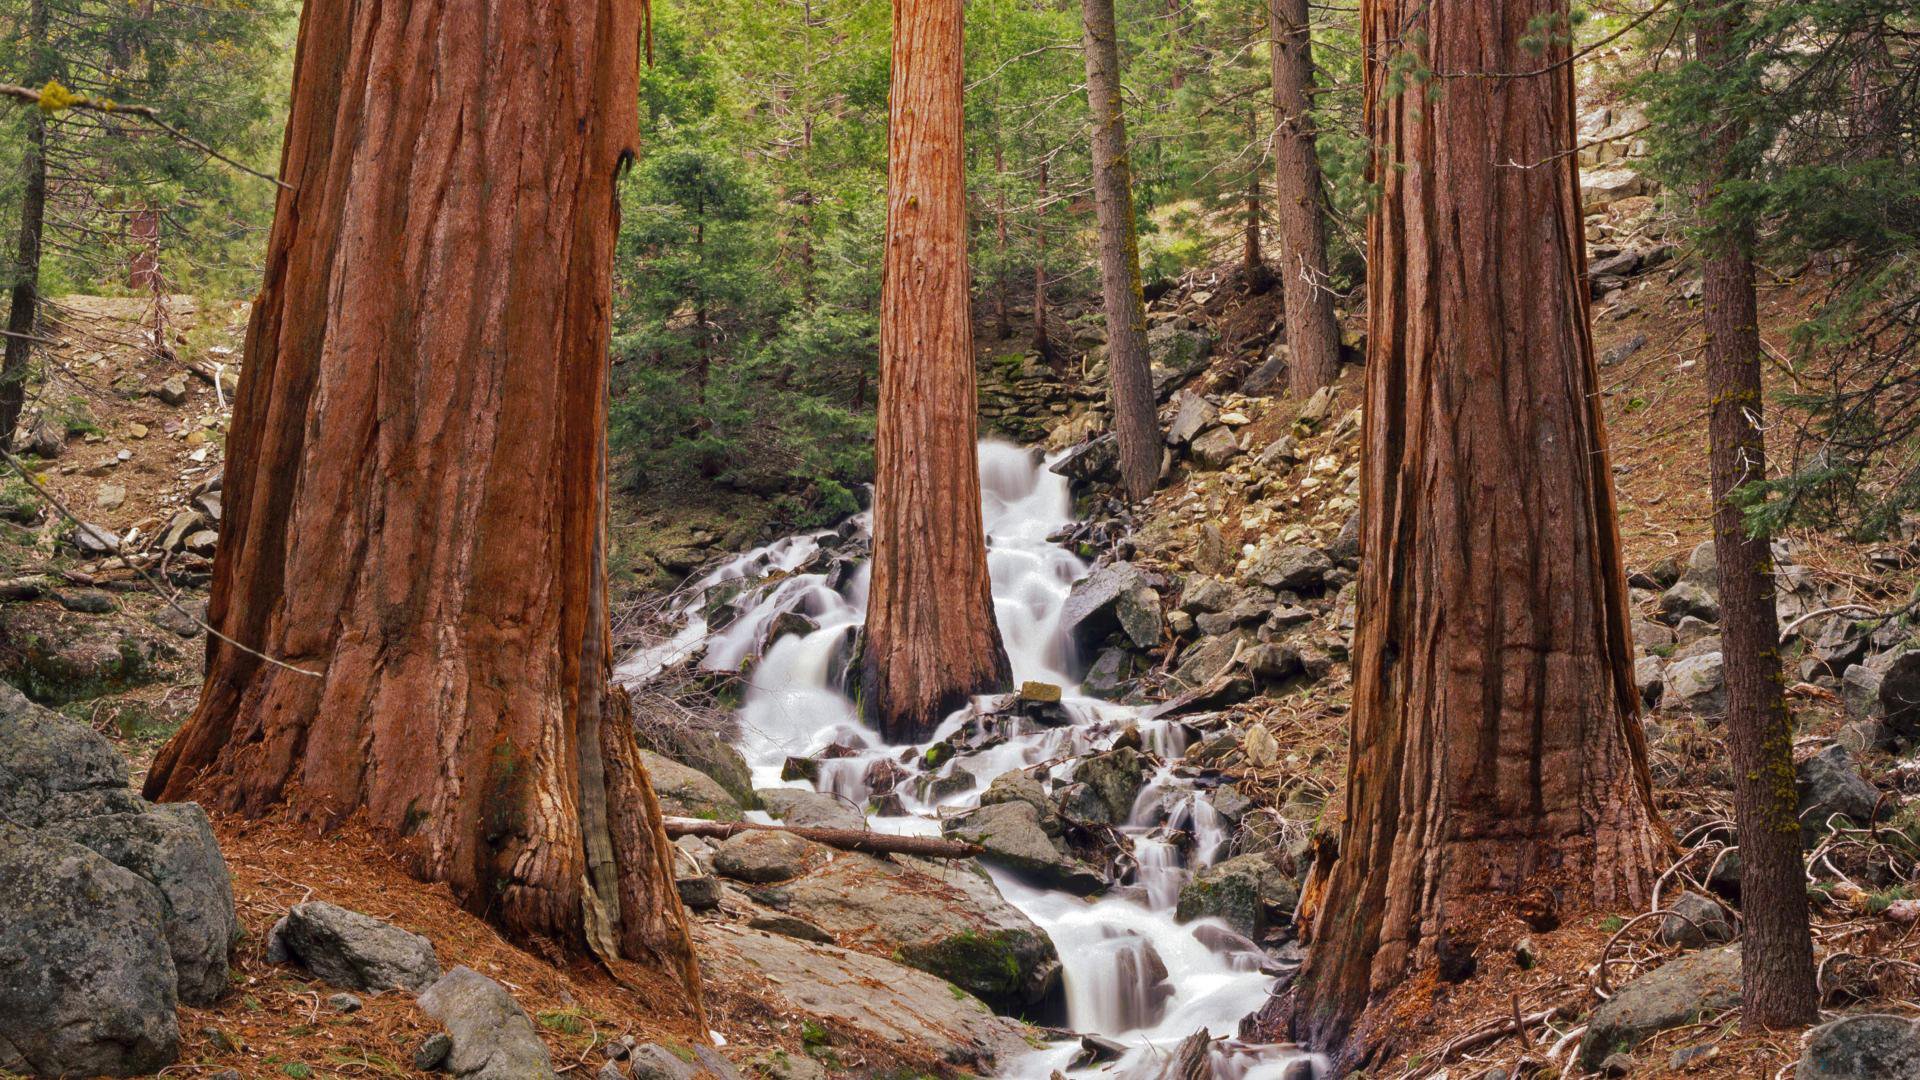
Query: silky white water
pixel 1130 972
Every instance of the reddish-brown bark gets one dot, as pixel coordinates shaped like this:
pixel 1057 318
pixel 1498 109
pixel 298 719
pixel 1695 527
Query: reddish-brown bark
pixel 1313 334
pixel 1495 748
pixel 416 476
pixel 931 640
pixel 1776 957
pixel 1129 373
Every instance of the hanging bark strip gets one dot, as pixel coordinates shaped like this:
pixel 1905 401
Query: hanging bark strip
pixel 1129 375
pixel 1497 758
pixel 416 477
pixel 931 641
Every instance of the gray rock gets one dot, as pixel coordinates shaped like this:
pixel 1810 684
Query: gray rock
pixel 687 792
pixel 353 951
pixel 1249 893
pixel 1829 784
pixel 780 1065
pixel 1689 598
pixel 1013 838
pixel 705 752
pixel 1216 447
pixel 1682 991
pixel 1697 685
pixel 1016 785
pixel 85 601
pixel 1900 692
pixel 172 390
pixel 491 1035
pixel 1201 593
pixel 856 997
pixel 1092 609
pixel 762 856
pixel 1649 677
pixel 1140 617
pixel 947 921
pixel 91 539
pixel 1698 646
pixel 173 847
pixel 1650 635
pixel 1293 567
pixel 810 809
pixel 432 1053
pixel 87 984
pixel 1860 692
pixel 652 1061
pixel 1869 1047
pixel 1095 461
pixel 1114 779
pixel 701 893
pixel 1111 676
pixel 792 926
pixel 1698 921
pixel 345 1003
pixel 1207 659
pixel 1701 566
pixel 1280 452
pixel 1195 415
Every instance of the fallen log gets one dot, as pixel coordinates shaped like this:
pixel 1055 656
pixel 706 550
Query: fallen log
pixel 871 843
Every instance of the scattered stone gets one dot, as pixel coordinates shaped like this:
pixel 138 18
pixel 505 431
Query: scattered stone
pixel 1688 597
pixel 172 390
pixel 432 1053
pixel 1697 921
pixel 353 951
pixel 1867 1047
pixel 1293 567
pixel 182 617
pixel 1216 448
pixel 1829 784
pixel 699 893
pixel 1649 677
pixel 491 1036
pixel 1114 778
pixel 1696 685
pixel 345 1003
pixel 1694 987
pixel 109 497
pixel 1900 693
pixel 1091 611
pixel 1195 415
pixel 1860 692
pixel 93 539
pixel 85 601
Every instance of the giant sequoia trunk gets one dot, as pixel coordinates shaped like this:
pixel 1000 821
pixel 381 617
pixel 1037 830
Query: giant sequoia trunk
pixel 416 477
pixel 1130 379
pixel 1776 958
pixel 931 640
pixel 1313 335
pixel 1496 752
pixel 23 312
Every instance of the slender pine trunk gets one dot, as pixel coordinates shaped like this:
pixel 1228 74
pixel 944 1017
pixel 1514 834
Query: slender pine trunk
pixel 23 314
pixel 1130 378
pixel 1313 334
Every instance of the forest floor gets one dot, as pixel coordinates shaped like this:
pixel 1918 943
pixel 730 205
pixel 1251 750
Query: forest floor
pixel 104 646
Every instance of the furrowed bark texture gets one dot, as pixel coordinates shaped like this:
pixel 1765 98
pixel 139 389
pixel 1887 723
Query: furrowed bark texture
pixel 1496 749
pixel 1130 379
pixel 1313 335
pixel 416 475
pixel 23 311
pixel 1776 957
pixel 931 641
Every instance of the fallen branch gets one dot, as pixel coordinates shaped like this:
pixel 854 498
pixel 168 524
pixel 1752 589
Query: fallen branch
pixel 871 843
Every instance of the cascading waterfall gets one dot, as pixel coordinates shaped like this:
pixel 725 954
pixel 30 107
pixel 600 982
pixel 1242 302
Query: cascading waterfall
pixel 1131 973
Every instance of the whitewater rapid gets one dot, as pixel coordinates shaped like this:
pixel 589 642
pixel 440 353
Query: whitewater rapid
pixel 791 708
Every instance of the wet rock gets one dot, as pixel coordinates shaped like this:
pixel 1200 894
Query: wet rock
pixel 688 792
pixel 352 951
pixel 1868 1047
pixel 855 997
pixel 1696 685
pixel 1092 609
pixel 811 809
pixel 947 921
pixel 492 1038
pixel 1249 893
pixel 1829 784
pixel 1018 786
pixel 1682 991
pixel 1697 921
pixel 1013 838
pixel 1110 677
pixel 1114 778
pixel 762 856
pixel 1096 461
pixel 87 983
pixel 1292 567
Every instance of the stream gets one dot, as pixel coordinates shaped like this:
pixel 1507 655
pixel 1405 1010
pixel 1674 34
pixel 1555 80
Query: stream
pixel 1111 947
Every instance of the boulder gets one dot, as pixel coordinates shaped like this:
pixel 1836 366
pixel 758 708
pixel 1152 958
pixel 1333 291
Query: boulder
pixel 1860 692
pixel 1697 685
pixel 1207 659
pixel 1900 693
pixel 857 998
pixel 352 951
pixel 1013 838
pixel 1114 779
pixel 760 856
pixel 1249 893
pixel 1829 784
pixel 1697 921
pixel 492 1038
pixel 1138 610
pixel 1111 676
pixel 706 752
pixel 1868 1047
pixel 1018 786
pixel 1201 594
pixel 1684 991
pixel 1688 597
pixel 1096 461
pixel 1215 448
pixel 87 984
pixel 1194 415
pixel 810 809
pixel 1649 677
pixel 1293 567
pixel 687 792
pixel 652 1061
pixel 1092 610
pixel 951 922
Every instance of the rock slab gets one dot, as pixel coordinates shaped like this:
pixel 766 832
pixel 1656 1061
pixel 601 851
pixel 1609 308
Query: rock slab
pixel 492 1037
